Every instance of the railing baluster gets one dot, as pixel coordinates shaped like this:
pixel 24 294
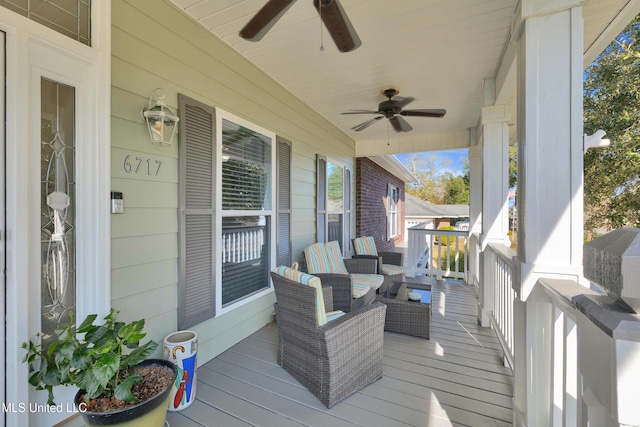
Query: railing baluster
pixel 499 294
pixel 433 251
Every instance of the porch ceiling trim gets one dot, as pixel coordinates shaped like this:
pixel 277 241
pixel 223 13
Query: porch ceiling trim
pixel 414 143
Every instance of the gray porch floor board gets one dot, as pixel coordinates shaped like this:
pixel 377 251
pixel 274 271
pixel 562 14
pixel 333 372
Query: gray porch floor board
pixel 456 378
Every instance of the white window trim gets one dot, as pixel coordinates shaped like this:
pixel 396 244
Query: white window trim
pixel 346 228
pixel 392 211
pixel 224 115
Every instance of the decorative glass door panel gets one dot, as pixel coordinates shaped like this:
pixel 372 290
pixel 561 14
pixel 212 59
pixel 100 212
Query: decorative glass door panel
pixel 57 204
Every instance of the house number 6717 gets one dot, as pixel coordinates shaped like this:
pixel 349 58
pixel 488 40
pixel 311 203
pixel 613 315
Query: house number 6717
pixel 141 165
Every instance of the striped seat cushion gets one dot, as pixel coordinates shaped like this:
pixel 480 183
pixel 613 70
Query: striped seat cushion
pixel 365 246
pixel 392 270
pixel 308 280
pixel 359 290
pixel 373 281
pixel 333 315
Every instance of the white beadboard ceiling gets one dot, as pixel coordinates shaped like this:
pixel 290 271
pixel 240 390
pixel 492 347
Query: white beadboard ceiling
pixel 437 51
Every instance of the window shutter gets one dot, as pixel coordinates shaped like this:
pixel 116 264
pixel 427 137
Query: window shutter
pixel 196 290
pixel 283 225
pixel 321 199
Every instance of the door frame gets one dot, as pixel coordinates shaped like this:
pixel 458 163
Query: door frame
pixel 33 50
pixel 3 365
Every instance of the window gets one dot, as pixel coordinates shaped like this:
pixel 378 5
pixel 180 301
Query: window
pixel 227 210
pixel 69 17
pixel 393 194
pixel 246 207
pixel 57 205
pixel 333 203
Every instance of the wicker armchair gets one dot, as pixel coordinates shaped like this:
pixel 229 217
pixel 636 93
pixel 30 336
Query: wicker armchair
pixel 355 273
pixel 336 359
pixel 389 263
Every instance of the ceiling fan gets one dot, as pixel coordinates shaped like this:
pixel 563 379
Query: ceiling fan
pixel 331 12
pixel 393 109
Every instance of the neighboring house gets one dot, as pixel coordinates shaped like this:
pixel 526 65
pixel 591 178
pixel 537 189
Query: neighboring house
pixel 380 199
pixel 436 216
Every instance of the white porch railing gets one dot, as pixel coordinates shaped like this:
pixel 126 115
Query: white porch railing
pixel 443 253
pixel 576 353
pixel 499 295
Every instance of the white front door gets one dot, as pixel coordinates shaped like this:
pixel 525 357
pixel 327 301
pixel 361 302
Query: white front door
pixel 57 197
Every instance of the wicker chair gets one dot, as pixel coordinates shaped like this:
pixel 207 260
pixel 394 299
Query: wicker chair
pixel 388 262
pixel 336 359
pixel 354 273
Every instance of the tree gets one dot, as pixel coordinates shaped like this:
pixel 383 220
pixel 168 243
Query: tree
pixel 426 168
pixel 434 185
pixel 513 166
pixel 457 187
pixel 456 191
pixel 612 103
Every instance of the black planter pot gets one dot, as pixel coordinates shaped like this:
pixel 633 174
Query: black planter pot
pixel 151 413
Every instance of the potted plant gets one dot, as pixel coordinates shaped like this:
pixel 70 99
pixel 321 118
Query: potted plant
pixel 116 385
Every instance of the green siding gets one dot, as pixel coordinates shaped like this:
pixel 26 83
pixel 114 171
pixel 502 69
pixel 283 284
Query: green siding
pixel 185 58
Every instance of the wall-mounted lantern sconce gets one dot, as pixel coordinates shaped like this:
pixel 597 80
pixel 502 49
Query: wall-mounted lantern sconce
pixel 160 119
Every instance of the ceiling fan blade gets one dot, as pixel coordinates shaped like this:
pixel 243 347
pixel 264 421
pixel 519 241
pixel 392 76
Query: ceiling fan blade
pixel 424 113
pixel 403 102
pixel 264 19
pixel 366 124
pixel 400 124
pixel 338 25
pixel 361 112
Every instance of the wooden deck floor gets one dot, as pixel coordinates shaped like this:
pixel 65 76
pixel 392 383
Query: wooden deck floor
pixel 456 378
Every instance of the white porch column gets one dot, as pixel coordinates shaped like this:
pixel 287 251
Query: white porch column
pixel 550 159
pixel 495 169
pixel 475 211
pixel 549 37
pixel 494 147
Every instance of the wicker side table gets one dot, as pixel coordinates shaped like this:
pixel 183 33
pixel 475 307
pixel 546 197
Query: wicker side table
pixel 408 317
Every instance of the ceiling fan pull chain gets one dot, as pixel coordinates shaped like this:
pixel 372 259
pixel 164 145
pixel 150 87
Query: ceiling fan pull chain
pixel 388 125
pixel 320 15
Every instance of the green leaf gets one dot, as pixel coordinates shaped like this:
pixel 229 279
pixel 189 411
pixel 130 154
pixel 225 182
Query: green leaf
pixel 139 354
pixel 51 377
pixel 94 335
pixel 34 379
pixel 88 382
pixel 105 368
pixel 132 333
pixel 50 401
pixel 123 391
pixel 65 352
pixel 79 362
pixel 105 347
pixel 87 323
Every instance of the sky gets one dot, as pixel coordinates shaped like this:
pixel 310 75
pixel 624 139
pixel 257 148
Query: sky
pixel 455 156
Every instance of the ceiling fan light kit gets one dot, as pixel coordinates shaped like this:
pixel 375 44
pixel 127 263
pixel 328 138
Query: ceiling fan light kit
pixel 331 13
pixel 393 109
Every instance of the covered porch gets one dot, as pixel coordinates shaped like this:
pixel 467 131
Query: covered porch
pixel 456 378
pixel 509 345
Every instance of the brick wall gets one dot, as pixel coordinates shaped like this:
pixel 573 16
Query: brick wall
pixel 371 203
